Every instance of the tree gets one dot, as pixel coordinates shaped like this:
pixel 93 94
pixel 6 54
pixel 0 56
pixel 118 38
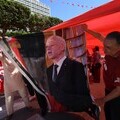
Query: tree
pixel 34 23
pixel 50 21
pixel 37 24
pixel 13 16
pixel 16 17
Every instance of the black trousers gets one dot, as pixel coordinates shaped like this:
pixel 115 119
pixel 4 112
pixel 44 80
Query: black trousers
pixel 96 72
pixel 112 109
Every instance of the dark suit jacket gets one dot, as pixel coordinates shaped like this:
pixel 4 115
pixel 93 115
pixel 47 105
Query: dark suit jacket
pixel 70 88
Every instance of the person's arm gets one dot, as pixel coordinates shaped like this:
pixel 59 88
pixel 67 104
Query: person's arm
pixel 115 93
pixel 93 33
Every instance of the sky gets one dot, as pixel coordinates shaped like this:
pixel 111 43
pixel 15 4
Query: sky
pixel 67 9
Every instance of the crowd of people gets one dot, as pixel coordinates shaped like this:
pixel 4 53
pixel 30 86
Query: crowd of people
pixel 68 88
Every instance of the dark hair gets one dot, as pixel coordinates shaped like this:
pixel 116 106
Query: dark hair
pixel 114 35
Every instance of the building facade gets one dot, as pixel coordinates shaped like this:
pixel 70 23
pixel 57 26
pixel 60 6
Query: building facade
pixel 36 7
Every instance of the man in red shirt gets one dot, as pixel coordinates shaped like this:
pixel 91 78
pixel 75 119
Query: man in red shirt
pixel 111 73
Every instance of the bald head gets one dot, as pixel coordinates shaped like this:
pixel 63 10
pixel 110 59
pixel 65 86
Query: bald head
pixel 59 41
pixel 55 47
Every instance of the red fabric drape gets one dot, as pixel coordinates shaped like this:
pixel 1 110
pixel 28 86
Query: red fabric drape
pixel 103 19
pixel 107 9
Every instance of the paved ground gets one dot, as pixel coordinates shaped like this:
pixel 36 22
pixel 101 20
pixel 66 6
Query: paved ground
pixel 97 90
pixel 21 113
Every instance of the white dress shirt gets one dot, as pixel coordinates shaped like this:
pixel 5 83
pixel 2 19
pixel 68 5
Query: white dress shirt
pixel 59 63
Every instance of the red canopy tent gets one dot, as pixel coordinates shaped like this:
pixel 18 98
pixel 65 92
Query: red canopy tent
pixel 103 19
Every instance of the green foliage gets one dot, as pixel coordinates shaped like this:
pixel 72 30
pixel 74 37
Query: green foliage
pixel 34 23
pixel 15 33
pixel 50 21
pixel 37 23
pixel 13 15
pixel 16 17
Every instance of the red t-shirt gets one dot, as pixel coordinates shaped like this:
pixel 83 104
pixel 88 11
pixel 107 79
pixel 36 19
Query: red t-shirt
pixel 111 72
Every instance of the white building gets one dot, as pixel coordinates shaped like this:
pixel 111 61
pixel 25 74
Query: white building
pixel 36 7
